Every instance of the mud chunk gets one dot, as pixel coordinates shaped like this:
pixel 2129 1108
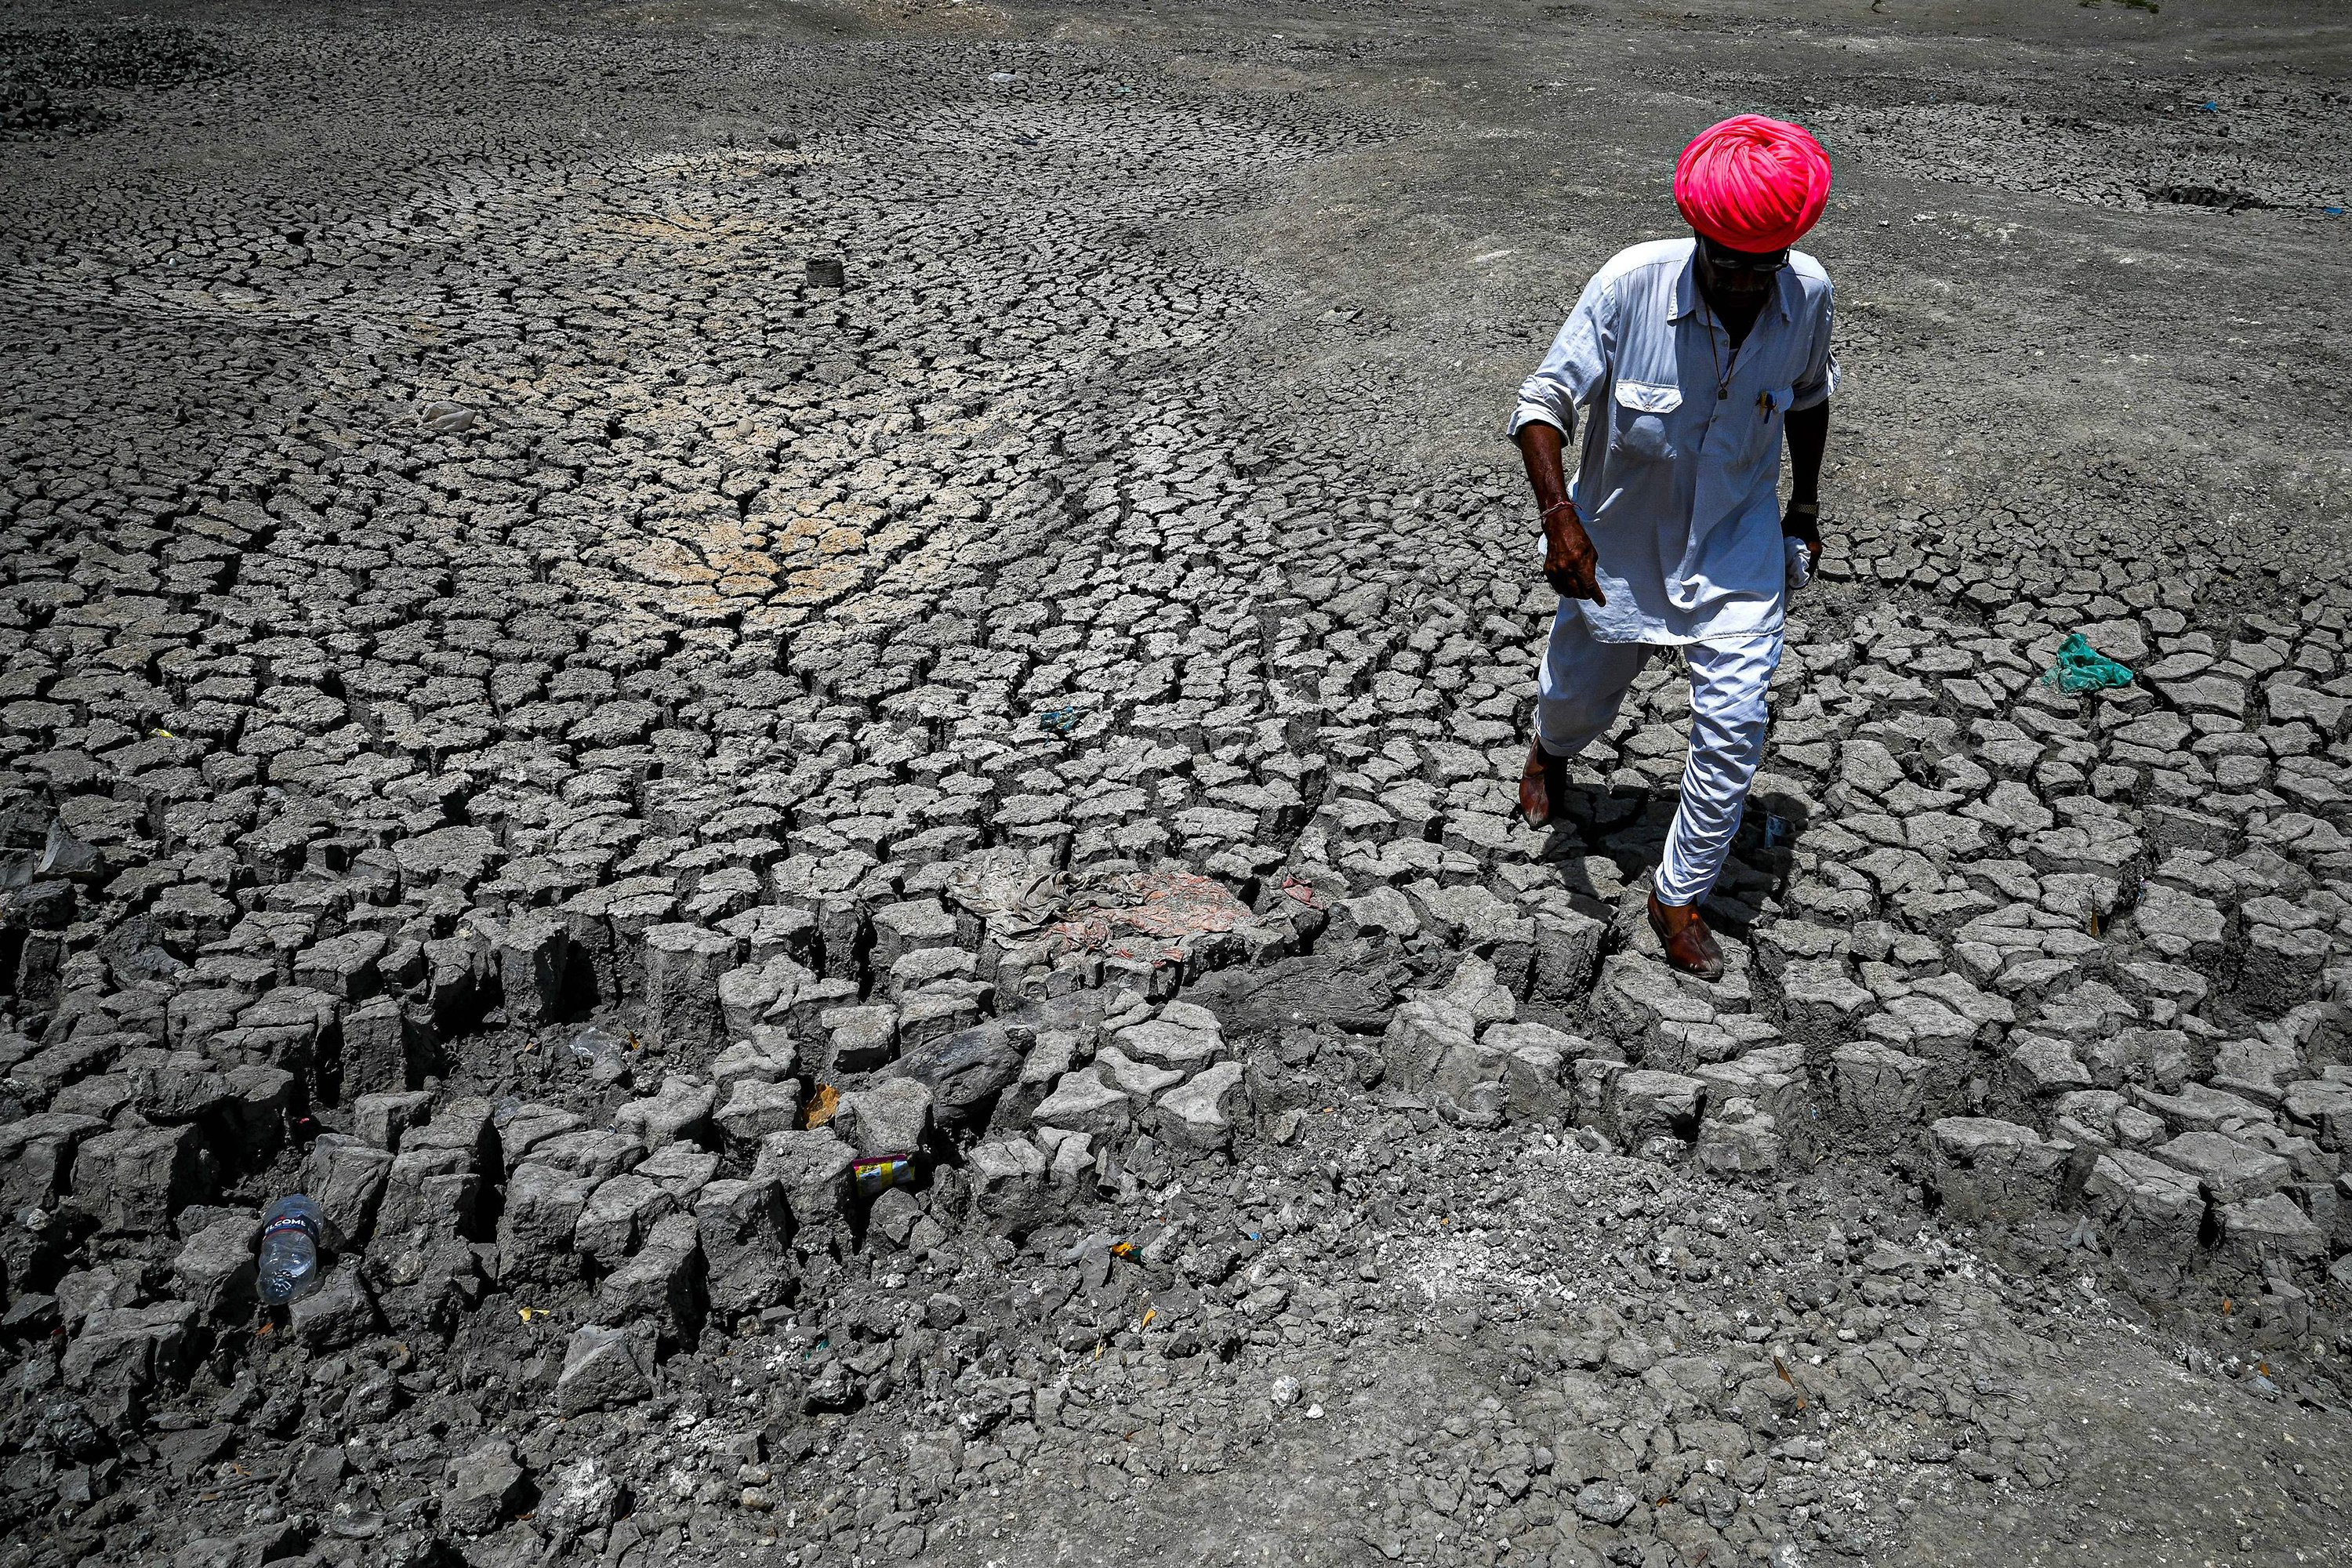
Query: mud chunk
pixel 137 1178
pixel 894 1117
pixel 743 1227
pixel 603 1369
pixel 484 1486
pixel 1985 1170
pixel 1202 1112
pixel 683 966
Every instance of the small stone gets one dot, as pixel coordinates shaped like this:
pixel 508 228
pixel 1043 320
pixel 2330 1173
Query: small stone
pixel 1606 1502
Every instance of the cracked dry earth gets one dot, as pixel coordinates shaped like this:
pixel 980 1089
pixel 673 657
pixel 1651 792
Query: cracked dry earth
pixel 814 709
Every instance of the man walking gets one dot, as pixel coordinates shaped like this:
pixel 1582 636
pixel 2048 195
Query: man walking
pixel 1692 357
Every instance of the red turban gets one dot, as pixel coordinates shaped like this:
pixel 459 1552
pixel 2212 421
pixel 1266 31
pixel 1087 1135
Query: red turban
pixel 1753 184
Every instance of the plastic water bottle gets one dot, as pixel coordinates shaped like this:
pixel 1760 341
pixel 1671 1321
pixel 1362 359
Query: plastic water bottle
pixel 605 1054
pixel 290 1232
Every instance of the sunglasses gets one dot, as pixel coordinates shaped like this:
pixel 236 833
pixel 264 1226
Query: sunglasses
pixel 1763 264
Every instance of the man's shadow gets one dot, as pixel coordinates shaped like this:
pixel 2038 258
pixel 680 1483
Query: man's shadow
pixel 1607 839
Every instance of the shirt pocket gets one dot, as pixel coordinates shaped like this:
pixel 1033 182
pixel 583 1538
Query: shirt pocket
pixel 1639 428
pixel 1771 414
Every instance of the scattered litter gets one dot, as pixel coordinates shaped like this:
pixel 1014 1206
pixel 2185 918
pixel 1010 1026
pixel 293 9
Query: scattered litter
pixel 1060 721
pixel 2082 667
pixel 1008 79
pixel 1781 1367
pixel 821 1106
pixel 1167 904
pixel 1778 830
pixel 291 1233
pixel 878 1174
pixel 605 1054
pixel 445 418
pixel 1006 890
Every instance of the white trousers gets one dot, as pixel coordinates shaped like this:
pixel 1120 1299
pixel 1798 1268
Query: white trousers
pixel 1578 688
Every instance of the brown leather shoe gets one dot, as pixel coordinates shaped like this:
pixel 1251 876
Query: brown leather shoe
pixel 1690 946
pixel 1541 784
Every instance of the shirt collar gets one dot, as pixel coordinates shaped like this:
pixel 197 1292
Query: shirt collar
pixel 1686 295
pixel 1687 300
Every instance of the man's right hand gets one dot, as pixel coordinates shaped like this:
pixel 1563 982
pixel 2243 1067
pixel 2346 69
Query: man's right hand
pixel 1570 565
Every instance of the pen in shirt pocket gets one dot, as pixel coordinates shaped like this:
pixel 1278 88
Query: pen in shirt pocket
pixel 1764 405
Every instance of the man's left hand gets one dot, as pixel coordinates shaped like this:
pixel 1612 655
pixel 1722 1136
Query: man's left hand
pixel 1801 522
pixel 1802 519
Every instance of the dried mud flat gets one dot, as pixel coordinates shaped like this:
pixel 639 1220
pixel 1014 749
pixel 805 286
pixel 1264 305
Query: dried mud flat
pixel 615 615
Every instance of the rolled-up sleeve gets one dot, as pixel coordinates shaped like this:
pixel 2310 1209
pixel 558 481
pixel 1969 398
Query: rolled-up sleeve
pixel 1819 381
pixel 1577 362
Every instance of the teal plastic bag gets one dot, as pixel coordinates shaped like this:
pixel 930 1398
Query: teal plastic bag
pixel 2082 667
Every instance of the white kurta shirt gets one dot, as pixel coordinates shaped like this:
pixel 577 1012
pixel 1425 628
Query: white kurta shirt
pixel 1679 489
